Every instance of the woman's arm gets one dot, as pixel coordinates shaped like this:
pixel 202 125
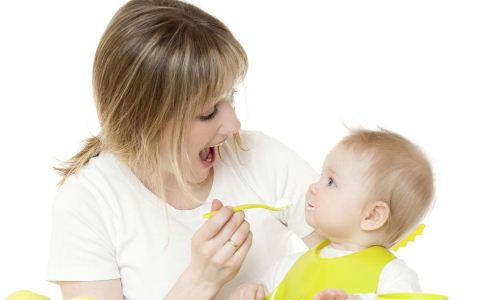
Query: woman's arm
pixel 102 289
pixel 186 287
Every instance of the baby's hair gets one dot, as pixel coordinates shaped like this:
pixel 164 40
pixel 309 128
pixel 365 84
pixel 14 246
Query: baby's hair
pixel 399 174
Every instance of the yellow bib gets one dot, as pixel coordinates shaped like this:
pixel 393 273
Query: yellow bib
pixel 355 273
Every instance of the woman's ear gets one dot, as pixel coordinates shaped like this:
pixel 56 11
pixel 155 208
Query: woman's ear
pixel 375 216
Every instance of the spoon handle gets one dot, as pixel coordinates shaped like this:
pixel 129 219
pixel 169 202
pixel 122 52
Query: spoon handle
pixel 245 206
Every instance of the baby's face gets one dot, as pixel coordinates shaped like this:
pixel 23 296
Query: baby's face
pixel 335 204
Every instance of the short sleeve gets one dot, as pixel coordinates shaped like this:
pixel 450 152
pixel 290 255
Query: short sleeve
pixel 398 277
pixel 80 248
pixel 395 277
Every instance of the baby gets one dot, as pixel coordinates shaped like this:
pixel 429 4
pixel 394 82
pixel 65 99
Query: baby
pixel 375 187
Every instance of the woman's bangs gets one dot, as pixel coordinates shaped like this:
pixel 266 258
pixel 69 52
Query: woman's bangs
pixel 217 73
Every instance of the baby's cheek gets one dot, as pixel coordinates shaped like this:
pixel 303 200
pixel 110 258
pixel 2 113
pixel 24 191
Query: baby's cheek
pixel 309 219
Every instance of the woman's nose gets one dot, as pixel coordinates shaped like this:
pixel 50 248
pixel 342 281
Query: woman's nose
pixel 230 123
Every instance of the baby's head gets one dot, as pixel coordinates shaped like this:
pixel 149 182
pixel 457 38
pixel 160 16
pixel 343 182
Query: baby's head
pixel 375 187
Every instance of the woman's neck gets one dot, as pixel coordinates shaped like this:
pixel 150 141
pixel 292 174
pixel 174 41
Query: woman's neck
pixel 179 199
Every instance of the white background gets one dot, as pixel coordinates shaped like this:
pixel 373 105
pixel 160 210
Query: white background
pixel 415 67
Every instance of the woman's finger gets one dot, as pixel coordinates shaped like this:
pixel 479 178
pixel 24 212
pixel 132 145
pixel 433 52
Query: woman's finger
pixel 241 253
pixel 249 292
pixel 240 235
pixel 213 225
pixel 233 244
pixel 216 205
pixel 229 230
pixel 260 293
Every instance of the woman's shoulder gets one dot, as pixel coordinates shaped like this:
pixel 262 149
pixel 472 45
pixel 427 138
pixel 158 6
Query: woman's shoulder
pixel 94 182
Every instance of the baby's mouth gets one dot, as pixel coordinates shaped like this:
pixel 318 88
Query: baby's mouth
pixel 309 206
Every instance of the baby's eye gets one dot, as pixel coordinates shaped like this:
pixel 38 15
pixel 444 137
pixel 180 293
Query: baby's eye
pixel 331 182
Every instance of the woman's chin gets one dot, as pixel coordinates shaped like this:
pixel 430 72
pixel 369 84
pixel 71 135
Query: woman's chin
pixel 200 177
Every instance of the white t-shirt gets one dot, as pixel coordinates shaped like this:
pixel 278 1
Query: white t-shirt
pixel 108 225
pixel 395 277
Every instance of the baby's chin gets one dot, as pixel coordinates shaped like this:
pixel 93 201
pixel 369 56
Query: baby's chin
pixel 318 230
pixel 310 222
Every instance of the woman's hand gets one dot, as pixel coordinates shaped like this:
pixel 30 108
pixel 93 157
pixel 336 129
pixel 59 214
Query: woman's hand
pixel 219 247
pixel 248 291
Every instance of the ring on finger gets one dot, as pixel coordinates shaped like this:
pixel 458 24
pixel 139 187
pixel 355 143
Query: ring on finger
pixel 234 244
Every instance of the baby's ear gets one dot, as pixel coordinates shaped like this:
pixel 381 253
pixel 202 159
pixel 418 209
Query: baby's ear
pixel 376 215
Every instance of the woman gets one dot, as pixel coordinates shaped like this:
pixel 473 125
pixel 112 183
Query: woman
pixel 127 219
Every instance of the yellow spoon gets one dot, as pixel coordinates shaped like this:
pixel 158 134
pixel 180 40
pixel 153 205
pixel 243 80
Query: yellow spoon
pixel 282 204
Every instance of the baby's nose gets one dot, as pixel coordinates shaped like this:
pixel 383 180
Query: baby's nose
pixel 313 188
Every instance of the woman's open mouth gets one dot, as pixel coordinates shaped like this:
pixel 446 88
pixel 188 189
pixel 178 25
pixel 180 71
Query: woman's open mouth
pixel 207 156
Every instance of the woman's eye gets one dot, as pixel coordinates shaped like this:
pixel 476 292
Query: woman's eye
pixel 331 182
pixel 209 116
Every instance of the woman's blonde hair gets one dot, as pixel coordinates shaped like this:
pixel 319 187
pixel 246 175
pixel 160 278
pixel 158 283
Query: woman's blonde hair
pixel 159 62
pixel 399 174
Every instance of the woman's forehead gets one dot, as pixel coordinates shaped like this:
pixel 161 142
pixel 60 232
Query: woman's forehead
pixel 221 96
